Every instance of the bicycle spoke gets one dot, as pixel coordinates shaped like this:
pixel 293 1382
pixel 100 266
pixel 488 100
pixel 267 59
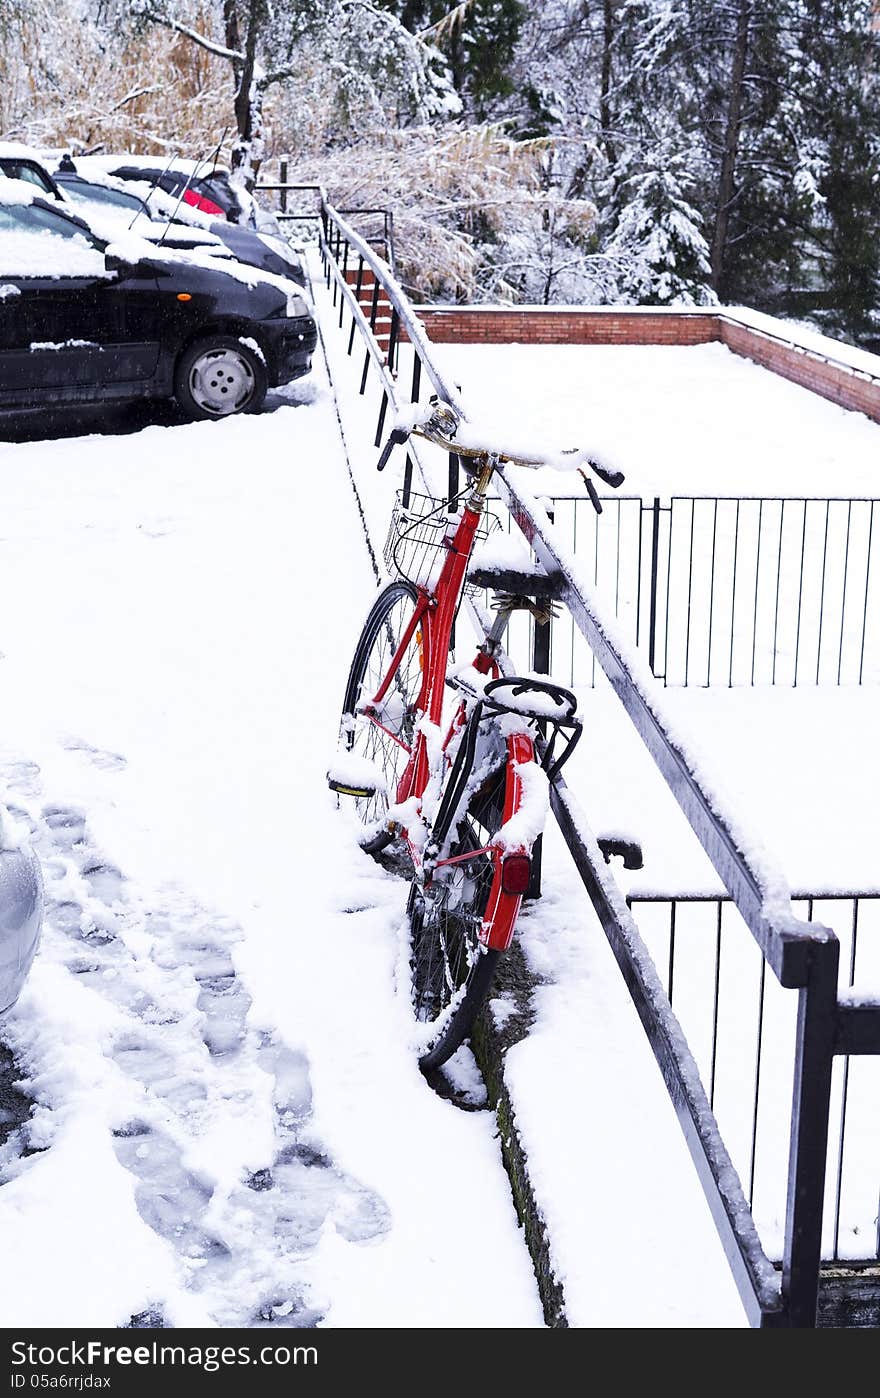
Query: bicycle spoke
pixel 396 712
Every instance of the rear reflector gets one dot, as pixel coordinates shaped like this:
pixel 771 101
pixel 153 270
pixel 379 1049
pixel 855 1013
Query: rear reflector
pixel 516 871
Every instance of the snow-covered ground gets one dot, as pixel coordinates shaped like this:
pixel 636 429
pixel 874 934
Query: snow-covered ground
pixel 676 420
pixel 231 1128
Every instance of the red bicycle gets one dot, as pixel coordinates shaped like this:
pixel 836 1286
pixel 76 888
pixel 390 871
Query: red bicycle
pixel 464 784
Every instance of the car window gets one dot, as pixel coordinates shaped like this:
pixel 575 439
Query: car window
pixel 22 170
pixel 35 242
pixel 84 193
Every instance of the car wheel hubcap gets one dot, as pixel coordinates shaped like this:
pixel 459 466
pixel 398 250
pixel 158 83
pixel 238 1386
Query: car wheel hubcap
pixel 222 381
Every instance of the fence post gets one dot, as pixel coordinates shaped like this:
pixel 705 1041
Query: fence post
pixel 283 168
pixel 655 560
pixel 814 1057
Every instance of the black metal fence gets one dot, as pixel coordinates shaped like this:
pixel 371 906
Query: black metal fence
pixel 832 1035
pixel 726 591
pixel 741 1026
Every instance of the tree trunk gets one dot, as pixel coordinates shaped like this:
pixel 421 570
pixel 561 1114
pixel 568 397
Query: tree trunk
pixel 726 181
pixel 605 114
pixel 247 148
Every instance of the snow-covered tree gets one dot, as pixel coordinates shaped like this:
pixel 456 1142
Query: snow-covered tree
pixel 658 235
pixel 474 217
pixel 377 72
pixel 479 39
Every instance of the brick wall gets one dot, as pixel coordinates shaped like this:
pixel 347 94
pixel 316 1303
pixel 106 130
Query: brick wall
pixel 477 325
pixel 473 325
pixel 844 387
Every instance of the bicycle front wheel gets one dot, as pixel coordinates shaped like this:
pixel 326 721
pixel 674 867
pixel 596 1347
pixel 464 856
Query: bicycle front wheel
pixel 452 969
pixel 382 733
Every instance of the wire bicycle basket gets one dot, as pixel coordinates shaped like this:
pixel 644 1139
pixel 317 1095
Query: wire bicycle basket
pixel 415 548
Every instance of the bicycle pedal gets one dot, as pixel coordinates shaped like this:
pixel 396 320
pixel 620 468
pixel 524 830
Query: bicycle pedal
pixel 349 775
pixel 346 789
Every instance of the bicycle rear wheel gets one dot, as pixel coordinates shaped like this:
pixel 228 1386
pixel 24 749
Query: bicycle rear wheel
pixel 451 969
pixel 384 740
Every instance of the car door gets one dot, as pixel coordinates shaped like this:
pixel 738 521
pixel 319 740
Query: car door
pixel 71 327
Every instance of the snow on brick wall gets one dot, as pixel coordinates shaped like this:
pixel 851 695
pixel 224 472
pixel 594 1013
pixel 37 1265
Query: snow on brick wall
pixel 848 386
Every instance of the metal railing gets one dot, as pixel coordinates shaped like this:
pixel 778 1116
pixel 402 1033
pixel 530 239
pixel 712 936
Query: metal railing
pixel 741 1028
pixel 802 955
pixel 376 226
pixel 727 591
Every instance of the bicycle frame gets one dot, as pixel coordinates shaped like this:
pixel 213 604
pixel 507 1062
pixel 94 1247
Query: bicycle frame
pixel 432 620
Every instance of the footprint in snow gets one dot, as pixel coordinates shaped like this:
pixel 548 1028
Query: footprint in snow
pixel 190 1055
pixel 98 757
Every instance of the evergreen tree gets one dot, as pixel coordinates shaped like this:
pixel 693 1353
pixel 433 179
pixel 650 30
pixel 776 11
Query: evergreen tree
pixel 839 76
pixel 657 237
pixel 479 39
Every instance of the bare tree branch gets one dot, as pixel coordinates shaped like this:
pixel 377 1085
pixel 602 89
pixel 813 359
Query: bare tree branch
pixel 217 49
pixel 132 96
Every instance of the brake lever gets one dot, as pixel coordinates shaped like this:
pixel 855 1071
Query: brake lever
pixel 591 491
pixel 399 435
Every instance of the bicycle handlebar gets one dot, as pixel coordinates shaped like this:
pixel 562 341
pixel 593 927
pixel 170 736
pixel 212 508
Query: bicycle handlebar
pixel 439 423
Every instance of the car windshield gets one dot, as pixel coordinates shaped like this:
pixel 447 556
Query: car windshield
pixel 84 193
pixel 36 242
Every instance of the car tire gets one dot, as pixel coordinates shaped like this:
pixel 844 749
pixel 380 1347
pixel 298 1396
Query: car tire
pixel 219 376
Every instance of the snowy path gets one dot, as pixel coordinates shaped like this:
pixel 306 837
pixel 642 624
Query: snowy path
pixel 231 1128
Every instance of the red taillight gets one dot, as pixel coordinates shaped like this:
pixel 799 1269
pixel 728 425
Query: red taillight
pixel 199 201
pixel 516 871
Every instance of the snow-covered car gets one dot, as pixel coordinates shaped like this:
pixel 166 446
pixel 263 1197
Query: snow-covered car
pixel 19 162
pixel 201 184
pixel 87 319
pixel 151 209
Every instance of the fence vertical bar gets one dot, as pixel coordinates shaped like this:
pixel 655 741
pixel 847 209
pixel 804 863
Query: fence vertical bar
pixel 865 615
pixel 283 168
pixel 393 333
pixel 357 297
pixel 843 597
pixel 454 465
pixel 811 1106
pixel 540 666
pixel 344 278
pixel 712 595
pixel 733 597
pixel 655 560
pixel 383 409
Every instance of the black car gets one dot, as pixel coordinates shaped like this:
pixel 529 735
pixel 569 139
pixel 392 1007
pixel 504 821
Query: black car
pixel 257 250
pixel 83 321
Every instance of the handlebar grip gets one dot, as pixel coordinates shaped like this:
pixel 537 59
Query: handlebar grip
pixel 613 478
pixel 591 491
pixel 398 436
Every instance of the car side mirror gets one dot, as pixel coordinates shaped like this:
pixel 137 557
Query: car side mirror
pixel 114 263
